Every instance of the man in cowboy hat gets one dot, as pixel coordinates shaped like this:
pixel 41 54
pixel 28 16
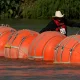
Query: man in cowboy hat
pixel 59 23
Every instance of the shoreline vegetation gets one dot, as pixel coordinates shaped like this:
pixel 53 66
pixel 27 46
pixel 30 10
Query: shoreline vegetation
pixel 38 9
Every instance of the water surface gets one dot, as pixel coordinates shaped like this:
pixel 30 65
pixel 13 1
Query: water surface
pixel 35 70
pixel 33 24
pixel 31 70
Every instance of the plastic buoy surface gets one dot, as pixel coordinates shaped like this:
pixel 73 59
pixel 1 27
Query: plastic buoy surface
pixel 17 46
pixel 68 50
pixel 43 46
pixel 5 33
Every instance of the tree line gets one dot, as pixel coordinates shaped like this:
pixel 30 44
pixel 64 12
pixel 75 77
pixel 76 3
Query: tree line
pixel 38 9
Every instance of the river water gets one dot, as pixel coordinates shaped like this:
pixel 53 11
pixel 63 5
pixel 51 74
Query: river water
pixel 36 70
pixel 33 24
pixel 31 70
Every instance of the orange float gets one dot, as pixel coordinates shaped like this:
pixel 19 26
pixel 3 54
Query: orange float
pixel 42 47
pixel 68 50
pixel 5 33
pixel 17 46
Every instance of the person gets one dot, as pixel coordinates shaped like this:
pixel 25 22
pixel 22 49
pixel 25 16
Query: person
pixel 59 23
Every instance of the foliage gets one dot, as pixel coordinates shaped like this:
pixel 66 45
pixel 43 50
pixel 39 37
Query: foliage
pixel 38 9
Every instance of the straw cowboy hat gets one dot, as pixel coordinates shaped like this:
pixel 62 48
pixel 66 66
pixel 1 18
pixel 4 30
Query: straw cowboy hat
pixel 58 14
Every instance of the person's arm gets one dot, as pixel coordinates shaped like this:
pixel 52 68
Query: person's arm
pixel 44 29
pixel 49 27
pixel 72 23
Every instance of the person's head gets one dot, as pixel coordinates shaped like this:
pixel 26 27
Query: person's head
pixel 58 15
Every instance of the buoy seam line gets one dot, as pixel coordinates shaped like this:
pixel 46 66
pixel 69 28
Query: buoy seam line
pixel 44 48
pixel 47 41
pixel 11 35
pixel 72 48
pixel 65 39
pixel 63 45
pixel 69 50
pixel 56 49
pixel 46 44
pixel 4 33
pixel 32 46
pixel 76 39
pixel 24 39
pixel 21 44
pixel 15 36
pixel 36 45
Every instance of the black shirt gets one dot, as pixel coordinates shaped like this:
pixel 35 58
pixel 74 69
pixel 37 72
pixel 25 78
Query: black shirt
pixel 52 25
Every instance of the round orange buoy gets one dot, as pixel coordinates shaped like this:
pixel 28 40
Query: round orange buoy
pixel 68 50
pixel 4 29
pixel 5 33
pixel 17 46
pixel 42 47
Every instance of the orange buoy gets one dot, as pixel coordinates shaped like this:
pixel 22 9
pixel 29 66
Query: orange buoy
pixel 42 47
pixel 68 50
pixel 4 29
pixel 5 33
pixel 17 46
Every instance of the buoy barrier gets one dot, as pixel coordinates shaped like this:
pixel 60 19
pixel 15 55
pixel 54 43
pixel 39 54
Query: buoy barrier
pixel 68 50
pixel 17 46
pixel 4 29
pixel 42 47
pixel 5 33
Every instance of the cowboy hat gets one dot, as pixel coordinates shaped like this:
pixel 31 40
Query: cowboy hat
pixel 58 14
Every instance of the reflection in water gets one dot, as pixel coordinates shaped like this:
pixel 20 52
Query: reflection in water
pixel 24 69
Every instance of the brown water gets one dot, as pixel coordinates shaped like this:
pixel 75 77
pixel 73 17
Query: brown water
pixel 35 70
